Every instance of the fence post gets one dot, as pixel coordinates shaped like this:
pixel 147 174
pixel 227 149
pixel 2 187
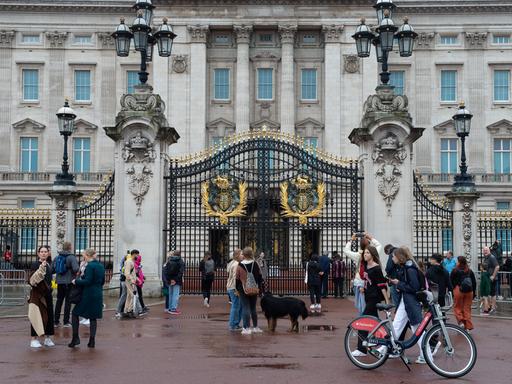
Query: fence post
pixel 385 141
pixel 465 226
pixel 142 138
pixel 62 216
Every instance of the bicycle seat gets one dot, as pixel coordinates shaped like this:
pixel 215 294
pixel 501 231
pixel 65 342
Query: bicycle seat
pixel 385 307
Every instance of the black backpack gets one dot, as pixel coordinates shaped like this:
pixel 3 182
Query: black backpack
pixel 466 285
pixel 173 268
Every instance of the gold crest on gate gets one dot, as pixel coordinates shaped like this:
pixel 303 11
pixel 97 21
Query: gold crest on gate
pixel 301 198
pixel 220 198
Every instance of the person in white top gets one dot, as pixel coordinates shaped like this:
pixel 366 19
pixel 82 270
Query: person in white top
pixel 357 257
pixel 235 314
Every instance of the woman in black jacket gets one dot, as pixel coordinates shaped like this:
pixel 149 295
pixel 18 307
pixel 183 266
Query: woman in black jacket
pixel 314 282
pixel 440 276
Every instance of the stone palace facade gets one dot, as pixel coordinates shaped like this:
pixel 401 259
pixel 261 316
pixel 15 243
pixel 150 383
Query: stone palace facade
pixel 287 65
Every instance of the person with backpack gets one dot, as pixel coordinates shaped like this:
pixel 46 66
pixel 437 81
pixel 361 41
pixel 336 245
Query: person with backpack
pixel 139 283
pixel 338 275
pixel 122 289
pixel 314 281
pixel 464 291
pixel 439 276
pixel 174 270
pixel 207 271
pixel 65 266
pixel 248 282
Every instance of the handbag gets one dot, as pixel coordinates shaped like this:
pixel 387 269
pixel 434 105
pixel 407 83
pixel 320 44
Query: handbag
pixel 75 296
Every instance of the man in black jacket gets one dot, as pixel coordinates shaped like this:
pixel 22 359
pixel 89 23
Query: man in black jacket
pixel 173 272
pixel 438 275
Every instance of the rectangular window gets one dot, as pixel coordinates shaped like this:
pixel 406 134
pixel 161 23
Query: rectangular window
pixel 265 89
pixel 83 85
pixel 308 84
pixel 28 204
pixel 502 149
pixel 396 79
pixel 132 79
pixel 504 237
pixel 30 39
pixel 222 39
pixel 447 238
pixel 265 37
pixel 449 40
pixel 501 39
pixel 449 85
pixel 501 85
pixel 81 154
pixel 311 142
pixel 309 39
pixel 503 205
pixel 28 234
pixel 29 154
pixel 449 156
pixel 30 84
pixel 81 239
pixel 221 81
pixel 82 39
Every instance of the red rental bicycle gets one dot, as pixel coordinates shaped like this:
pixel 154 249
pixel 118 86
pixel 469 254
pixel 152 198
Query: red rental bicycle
pixel 447 348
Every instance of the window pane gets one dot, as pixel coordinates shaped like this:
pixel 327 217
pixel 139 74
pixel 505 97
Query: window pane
pixel 30 39
pixel 221 84
pixel 497 144
pixel 506 162
pixel 449 40
pixel 132 79
pixel 28 204
pixel 30 84
pixel 81 239
pixel 503 205
pixel 265 83
pixel 309 39
pixel 448 85
pixel 308 84
pixel 82 85
pixel 266 37
pixel 29 154
pixel 501 39
pixel 453 162
pixel 83 39
pixel 396 79
pixel 447 236
pixel 501 85
pixel 81 154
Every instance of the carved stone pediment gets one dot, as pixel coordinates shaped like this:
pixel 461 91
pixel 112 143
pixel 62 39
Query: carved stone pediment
pixel 28 124
pixel 445 126
pixel 502 126
pixel 85 125
pixel 221 127
pixel 267 124
pixel 308 127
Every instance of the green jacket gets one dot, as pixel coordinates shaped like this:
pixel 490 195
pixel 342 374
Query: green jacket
pixel 91 305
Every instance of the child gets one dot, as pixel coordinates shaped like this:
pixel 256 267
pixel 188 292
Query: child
pixel 485 289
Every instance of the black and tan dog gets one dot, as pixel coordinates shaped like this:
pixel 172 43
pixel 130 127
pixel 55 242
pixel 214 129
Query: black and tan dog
pixel 277 307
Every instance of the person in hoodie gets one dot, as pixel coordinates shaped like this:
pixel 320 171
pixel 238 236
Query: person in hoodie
pixel 325 265
pixel 440 276
pixel 314 281
pixel 139 283
pixel 174 270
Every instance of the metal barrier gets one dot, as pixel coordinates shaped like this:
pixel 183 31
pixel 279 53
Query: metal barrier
pixel 13 287
pixel 504 289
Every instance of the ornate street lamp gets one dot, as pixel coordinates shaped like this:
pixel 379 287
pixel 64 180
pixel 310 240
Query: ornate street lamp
pixel 66 120
pixel 462 122
pixel 383 40
pixel 143 39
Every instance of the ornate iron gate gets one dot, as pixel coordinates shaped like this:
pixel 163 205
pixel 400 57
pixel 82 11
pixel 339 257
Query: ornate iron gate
pixel 94 223
pixel 433 222
pixel 266 190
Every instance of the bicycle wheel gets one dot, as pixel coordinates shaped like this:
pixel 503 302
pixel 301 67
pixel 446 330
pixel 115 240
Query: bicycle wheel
pixel 373 357
pixel 445 361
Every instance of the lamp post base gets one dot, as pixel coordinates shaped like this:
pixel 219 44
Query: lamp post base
pixel 463 183
pixel 62 179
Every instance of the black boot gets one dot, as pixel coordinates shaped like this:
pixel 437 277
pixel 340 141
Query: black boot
pixel 91 343
pixel 74 342
pixel 76 339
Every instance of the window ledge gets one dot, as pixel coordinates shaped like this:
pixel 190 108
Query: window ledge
pixel 82 103
pixel 302 101
pixel 217 101
pixel 260 101
pixel 30 103
pixel 448 103
pixel 500 104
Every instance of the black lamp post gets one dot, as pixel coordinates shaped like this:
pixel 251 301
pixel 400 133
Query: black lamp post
pixel 384 37
pixel 462 121
pixel 143 38
pixel 66 118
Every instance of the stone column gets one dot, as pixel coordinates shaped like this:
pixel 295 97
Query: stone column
pixel 332 99
pixel 63 216
pixel 465 226
pixel 287 33
pixel 243 37
pixel 142 137
pixel 198 76
pixel 6 38
pixel 385 142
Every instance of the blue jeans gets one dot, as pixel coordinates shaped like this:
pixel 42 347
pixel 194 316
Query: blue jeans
pixel 235 315
pixel 174 296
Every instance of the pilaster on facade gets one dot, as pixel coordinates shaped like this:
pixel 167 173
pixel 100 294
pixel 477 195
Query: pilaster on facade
pixel 243 33
pixel 198 33
pixel 243 37
pixel 332 33
pixel 6 38
pixel 56 39
pixel 287 34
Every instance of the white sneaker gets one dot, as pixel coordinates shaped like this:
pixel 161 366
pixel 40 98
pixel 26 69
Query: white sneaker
pixel 358 353
pixel 48 342
pixel 256 330
pixel 205 302
pixel 312 308
pixel 35 344
pixel 319 308
pixel 246 331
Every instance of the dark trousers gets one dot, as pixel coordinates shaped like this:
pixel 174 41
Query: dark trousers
pixel 370 310
pixel 63 291
pixel 314 294
pixel 338 286
pixel 75 323
pixel 206 286
pixel 49 327
pixel 325 284
pixel 249 310
pixel 141 299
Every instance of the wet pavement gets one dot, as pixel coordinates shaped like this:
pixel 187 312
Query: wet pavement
pixel 196 347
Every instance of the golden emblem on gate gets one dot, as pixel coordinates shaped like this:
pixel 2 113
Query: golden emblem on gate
pixel 220 198
pixel 302 198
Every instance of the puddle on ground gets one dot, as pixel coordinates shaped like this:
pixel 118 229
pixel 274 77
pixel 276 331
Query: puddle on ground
pixel 272 366
pixel 328 328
